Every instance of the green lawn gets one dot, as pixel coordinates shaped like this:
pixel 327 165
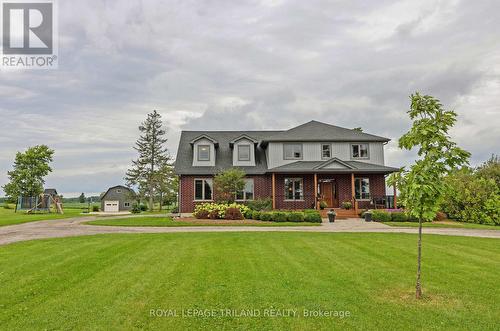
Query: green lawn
pixel 114 282
pixel 168 222
pixel 8 217
pixel 447 224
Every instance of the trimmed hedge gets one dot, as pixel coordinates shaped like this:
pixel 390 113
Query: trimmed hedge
pixel 287 216
pixel 295 216
pixel 399 217
pixel 381 216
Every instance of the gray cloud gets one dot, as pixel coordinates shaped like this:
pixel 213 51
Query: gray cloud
pixel 248 65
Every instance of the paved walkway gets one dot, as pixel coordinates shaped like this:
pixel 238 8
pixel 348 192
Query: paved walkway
pixel 74 227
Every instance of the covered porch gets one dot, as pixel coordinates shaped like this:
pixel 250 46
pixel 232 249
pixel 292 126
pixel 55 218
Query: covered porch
pixel 345 187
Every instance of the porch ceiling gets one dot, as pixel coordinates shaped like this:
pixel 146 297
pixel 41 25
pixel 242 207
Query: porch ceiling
pixel 341 167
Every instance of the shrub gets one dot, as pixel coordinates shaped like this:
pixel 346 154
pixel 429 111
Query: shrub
pixel 143 207
pixel 280 216
pixel 256 215
pixel 95 208
pixel 381 216
pixel 322 204
pixel 296 216
pixel 347 205
pixel 136 209
pixel 233 213
pixel 174 209
pixel 312 216
pixel 6 206
pixel 248 214
pixel 266 216
pixel 440 216
pixel 399 217
pixel 214 214
pixel 261 204
pixel 201 214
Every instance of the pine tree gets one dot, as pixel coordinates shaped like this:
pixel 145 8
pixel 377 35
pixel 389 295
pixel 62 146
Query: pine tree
pixel 153 156
pixel 81 198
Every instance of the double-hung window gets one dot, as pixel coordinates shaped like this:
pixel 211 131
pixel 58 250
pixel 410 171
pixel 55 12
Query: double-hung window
pixel 243 152
pixel 203 152
pixel 247 193
pixel 326 151
pixel 362 188
pixel 203 189
pixel 294 189
pixel 359 151
pixel 292 151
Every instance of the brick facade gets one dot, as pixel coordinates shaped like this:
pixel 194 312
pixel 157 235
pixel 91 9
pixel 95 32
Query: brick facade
pixel 263 189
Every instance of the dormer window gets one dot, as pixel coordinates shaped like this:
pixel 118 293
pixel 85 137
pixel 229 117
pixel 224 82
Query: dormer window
pixel 243 152
pixel 359 151
pixel 203 152
pixel 292 151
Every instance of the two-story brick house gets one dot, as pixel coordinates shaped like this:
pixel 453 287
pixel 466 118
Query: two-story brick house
pixel 297 168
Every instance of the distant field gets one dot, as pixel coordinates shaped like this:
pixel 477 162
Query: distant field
pixel 78 205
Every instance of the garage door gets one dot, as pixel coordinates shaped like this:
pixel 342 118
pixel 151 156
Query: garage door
pixel 111 206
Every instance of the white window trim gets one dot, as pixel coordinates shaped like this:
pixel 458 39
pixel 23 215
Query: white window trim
pixel 369 189
pixel 293 179
pixel 329 148
pixel 293 158
pixel 359 149
pixel 198 153
pixel 202 189
pixel 245 193
pixel 249 152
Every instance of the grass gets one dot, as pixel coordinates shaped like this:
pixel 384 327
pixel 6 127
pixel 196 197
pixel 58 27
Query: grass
pixel 445 224
pixel 113 282
pixel 9 217
pixel 169 222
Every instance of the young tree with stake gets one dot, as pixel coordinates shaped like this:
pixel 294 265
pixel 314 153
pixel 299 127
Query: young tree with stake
pixel 422 186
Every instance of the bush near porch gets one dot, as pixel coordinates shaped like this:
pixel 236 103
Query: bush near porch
pixel 235 211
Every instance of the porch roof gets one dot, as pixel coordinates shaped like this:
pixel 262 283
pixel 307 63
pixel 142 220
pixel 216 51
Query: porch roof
pixel 333 166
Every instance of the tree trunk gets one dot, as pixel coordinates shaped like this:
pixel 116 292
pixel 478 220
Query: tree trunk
pixel 161 200
pixel 418 287
pixel 151 205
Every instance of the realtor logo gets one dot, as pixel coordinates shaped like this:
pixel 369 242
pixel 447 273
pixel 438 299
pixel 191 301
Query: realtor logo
pixel 28 35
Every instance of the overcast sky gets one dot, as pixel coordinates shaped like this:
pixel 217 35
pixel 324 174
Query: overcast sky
pixel 248 65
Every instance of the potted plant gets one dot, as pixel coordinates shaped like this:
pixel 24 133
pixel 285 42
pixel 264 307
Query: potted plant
pixel 331 215
pixel 347 205
pixel 368 216
pixel 322 205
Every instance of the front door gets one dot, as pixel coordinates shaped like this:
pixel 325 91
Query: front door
pixel 329 194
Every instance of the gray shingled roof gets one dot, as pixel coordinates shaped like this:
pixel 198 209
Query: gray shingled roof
pixel 224 156
pixel 310 131
pixel 316 166
pixel 318 131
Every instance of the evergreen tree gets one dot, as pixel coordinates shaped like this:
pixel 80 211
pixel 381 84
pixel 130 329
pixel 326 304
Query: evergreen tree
pixel 81 198
pixel 153 156
pixel 30 168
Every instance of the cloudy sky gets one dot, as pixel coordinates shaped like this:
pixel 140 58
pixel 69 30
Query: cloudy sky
pixel 248 65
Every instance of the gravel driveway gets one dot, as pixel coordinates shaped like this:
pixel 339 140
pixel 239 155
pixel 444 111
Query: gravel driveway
pixel 75 227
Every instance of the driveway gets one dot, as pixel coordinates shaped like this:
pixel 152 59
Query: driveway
pixel 75 227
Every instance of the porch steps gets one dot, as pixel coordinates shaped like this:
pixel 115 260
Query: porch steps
pixel 341 213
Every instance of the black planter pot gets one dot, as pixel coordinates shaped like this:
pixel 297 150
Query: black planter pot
pixel 368 216
pixel 331 216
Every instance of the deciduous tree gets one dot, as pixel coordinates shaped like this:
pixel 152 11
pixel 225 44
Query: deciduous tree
pixel 29 170
pixel 422 185
pixel 228 183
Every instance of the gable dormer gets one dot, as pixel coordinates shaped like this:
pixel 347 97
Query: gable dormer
pixel 243 151
pixel 204 148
